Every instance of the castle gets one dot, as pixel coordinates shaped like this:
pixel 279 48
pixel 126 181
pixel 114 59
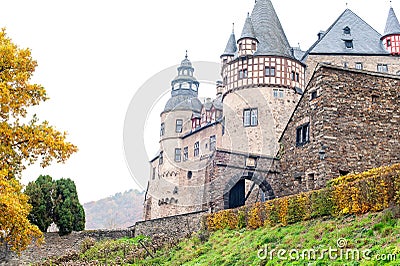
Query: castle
pixel 283 120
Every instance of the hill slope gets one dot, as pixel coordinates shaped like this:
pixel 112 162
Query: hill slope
pixel 118 211
pixel 374 238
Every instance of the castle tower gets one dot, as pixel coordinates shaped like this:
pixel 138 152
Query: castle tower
pixel 163 197
pixel 391 36
pixel 262 84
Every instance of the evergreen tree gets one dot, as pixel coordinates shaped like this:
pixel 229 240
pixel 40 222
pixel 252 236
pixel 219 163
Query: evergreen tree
pixel 40 195
pixel 69 214
pixel 55 201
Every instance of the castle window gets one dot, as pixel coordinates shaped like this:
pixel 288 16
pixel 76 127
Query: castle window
pixel 270 71
pixel 196 149
pixel 178 127
pixel 161 158
pixel 213 141
pixel 295 76
pixel 278 93
pixel 225 80
pixel 189 175
pixel 314 95
pixel 343 172
pixel 250 117
pixel 348 44
pixel 177 155
pixel 298 178
pixel 162 129
pixel 253 46
pixel 382 68
pixel 242 73
pixel 347 30
pixel 345 64
pixel 185 154
pixel 359 66
pixel 154 173
pixel 303 134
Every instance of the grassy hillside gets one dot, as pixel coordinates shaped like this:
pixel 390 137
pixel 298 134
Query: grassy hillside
pixel 118 211
pixel 376 234
pixel 375 237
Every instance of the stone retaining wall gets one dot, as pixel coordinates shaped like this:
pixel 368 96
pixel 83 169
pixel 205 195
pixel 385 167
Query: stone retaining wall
pixel 56 245
pixel 176 227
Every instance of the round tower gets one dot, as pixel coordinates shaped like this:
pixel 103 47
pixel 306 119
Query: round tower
pixel 391 36
pixel 263 83
pixel 165 197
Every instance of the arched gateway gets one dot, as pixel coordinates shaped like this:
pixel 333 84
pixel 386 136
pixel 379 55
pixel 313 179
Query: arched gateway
pixel 235 190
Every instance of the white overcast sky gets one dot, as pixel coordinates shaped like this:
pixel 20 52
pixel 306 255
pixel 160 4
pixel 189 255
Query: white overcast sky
pixel 94 55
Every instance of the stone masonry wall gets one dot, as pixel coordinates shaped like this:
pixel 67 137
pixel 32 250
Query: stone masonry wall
pixel 56 245
pixel 354 119
pixel 175 227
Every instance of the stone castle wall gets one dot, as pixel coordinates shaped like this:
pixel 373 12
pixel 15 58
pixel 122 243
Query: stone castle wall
pixel 354 118
pixel 172 228
pixel 56 245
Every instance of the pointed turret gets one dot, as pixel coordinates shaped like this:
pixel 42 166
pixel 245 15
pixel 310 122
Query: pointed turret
pixel 248 30
pixel 268 30
pixel 248 40
pixel 231 47
pixel 392 24
pixel 391 36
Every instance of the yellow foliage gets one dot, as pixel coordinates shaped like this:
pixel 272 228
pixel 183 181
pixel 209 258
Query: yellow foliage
pixel 15 228
pixel 24 142
pixel 372 190
pixel 255 219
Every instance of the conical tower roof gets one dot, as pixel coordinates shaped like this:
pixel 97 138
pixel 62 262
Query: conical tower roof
pixel 268 30
pixel 248 29
pixel 392 24
pixel 231 46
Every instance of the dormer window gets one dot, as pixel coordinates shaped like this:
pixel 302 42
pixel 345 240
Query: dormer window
pixel 348 44
pixel 253 46
pixel 346 30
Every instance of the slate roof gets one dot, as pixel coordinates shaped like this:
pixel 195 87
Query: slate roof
pixel 183 102
pixel 231 46
pixel 218 103
pixel 184 98
pixel 392 24
pixel 298 53
pixel 365 39
pixel 268 30
pixel 248 30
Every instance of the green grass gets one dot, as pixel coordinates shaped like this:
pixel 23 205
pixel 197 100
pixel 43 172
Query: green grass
pixel 377 232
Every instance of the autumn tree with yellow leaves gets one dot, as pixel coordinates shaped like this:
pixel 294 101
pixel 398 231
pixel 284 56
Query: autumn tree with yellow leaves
pixel 23 141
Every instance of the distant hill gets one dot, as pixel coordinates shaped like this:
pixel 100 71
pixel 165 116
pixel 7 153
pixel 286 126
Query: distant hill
pixel 118 211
